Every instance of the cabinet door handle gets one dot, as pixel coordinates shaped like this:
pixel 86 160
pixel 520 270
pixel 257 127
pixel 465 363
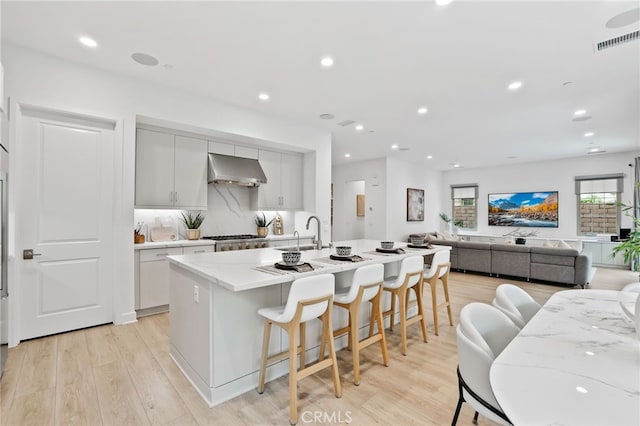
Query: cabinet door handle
pixel 175 198
pixel 162 254
pixel 171 196
pixel 199 251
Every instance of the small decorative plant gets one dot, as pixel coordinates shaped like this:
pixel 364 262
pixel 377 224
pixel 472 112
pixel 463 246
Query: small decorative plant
pixel 630 249
pixel 192 219
pixel 261 221
pixel 445 218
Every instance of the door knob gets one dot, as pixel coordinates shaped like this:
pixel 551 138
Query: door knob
pixel 28 254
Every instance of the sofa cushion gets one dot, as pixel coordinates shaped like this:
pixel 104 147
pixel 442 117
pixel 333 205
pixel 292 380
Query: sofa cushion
pixel 511 247
pixel 474 256
pixel 553 256
pixel 473 245
pixel 553 273
pixel 511 260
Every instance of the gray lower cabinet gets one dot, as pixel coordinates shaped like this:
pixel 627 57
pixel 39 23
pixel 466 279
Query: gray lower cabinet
pixel 152 276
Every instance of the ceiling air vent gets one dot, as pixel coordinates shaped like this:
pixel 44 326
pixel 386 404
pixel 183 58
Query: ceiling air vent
pixel 618 40
pixel 346 123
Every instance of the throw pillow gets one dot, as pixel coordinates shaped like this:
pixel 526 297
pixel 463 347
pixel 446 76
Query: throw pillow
pixel 549 243
pixel 575 244
pixel 562 244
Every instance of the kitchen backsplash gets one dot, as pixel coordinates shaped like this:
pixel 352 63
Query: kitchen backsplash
pixel 228 213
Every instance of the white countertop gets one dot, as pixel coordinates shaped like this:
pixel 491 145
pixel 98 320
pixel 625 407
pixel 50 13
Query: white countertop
pixel 177 243
pixel 577 362
pixel 235 270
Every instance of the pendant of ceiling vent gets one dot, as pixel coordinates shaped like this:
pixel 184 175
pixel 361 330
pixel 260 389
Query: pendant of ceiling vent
pixel 346 123
pixel 635 35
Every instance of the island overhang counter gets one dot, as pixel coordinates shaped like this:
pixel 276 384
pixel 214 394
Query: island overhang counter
pixel 215 333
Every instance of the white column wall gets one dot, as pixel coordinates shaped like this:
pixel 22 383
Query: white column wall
pixel 37 79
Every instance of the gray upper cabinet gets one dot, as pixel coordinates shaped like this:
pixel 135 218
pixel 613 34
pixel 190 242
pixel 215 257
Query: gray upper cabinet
pixel 171 171
pixel 283 190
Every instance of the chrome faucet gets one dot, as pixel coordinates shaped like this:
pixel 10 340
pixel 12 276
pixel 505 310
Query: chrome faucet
pixel 318 242
pixel 297 234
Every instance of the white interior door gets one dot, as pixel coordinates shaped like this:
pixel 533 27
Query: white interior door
pixel 64 213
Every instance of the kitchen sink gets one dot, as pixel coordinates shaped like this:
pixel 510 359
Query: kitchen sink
pixel 293 248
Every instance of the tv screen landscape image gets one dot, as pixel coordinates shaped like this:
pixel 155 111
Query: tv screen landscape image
pixel 524 209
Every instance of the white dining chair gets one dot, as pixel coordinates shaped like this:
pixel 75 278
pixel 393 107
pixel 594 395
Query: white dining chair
pixel 516 303
pixel 633 287
pixel 482 334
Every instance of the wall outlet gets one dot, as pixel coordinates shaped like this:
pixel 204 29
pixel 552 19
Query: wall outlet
pixel 196 294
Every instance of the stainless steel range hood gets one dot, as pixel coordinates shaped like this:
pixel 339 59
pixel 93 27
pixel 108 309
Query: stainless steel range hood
pixel 235 170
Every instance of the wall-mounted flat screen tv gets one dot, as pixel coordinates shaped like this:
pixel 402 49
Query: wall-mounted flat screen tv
pixel 524 209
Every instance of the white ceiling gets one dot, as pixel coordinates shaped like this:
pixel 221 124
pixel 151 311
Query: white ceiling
pixel 390 58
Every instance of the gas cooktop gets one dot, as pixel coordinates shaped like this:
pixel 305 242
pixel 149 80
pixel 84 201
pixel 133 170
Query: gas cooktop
pixel 231 237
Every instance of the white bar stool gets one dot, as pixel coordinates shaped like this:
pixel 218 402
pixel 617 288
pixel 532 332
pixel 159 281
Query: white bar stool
pixel 439 271
pixel 309 298
pixel 409 278
pixel 365 286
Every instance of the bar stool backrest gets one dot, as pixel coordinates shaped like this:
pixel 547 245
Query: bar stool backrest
pixel 366 275
pixel 410 265
pixel 309 288
pixel 440 257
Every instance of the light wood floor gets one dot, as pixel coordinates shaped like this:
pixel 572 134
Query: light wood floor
pixel 123 375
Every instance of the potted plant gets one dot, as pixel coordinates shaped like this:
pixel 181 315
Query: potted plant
pixel 630 249
pixel 448 221
pixel 262 225
pixel 192 221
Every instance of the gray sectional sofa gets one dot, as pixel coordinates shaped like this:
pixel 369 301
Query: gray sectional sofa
pixel 556 265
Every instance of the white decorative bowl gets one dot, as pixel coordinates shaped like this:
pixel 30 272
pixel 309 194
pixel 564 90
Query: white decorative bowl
pixel 387 245
pixel 291 257
pixel 343 250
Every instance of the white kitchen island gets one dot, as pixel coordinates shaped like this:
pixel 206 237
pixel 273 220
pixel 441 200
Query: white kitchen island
pixel 215 331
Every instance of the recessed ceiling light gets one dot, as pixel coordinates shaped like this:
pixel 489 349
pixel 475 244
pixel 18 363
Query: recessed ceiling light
pixel 511 157
pixel 422 110
pixel 581 389
pixel 456 165
pixel 394 146
pixel 580 112
pixel 588 134
pixel 582 118
pixel 327 62
pixel 144 59
pixel 347 155
pixel 429 157
pixel 443 2
pixel 326 116
pixel 88 41
pixel 593 151
pixel 359 127
pixel 567 83
pixel 515 85
pixel 264 97
pixel 623 19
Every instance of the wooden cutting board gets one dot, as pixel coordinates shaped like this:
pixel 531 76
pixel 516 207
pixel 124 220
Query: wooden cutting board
pixel 163 233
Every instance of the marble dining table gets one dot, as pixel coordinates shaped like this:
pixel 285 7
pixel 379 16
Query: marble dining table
pixel 577 362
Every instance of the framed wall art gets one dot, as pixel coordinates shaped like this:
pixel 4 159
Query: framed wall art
pixel 415 205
